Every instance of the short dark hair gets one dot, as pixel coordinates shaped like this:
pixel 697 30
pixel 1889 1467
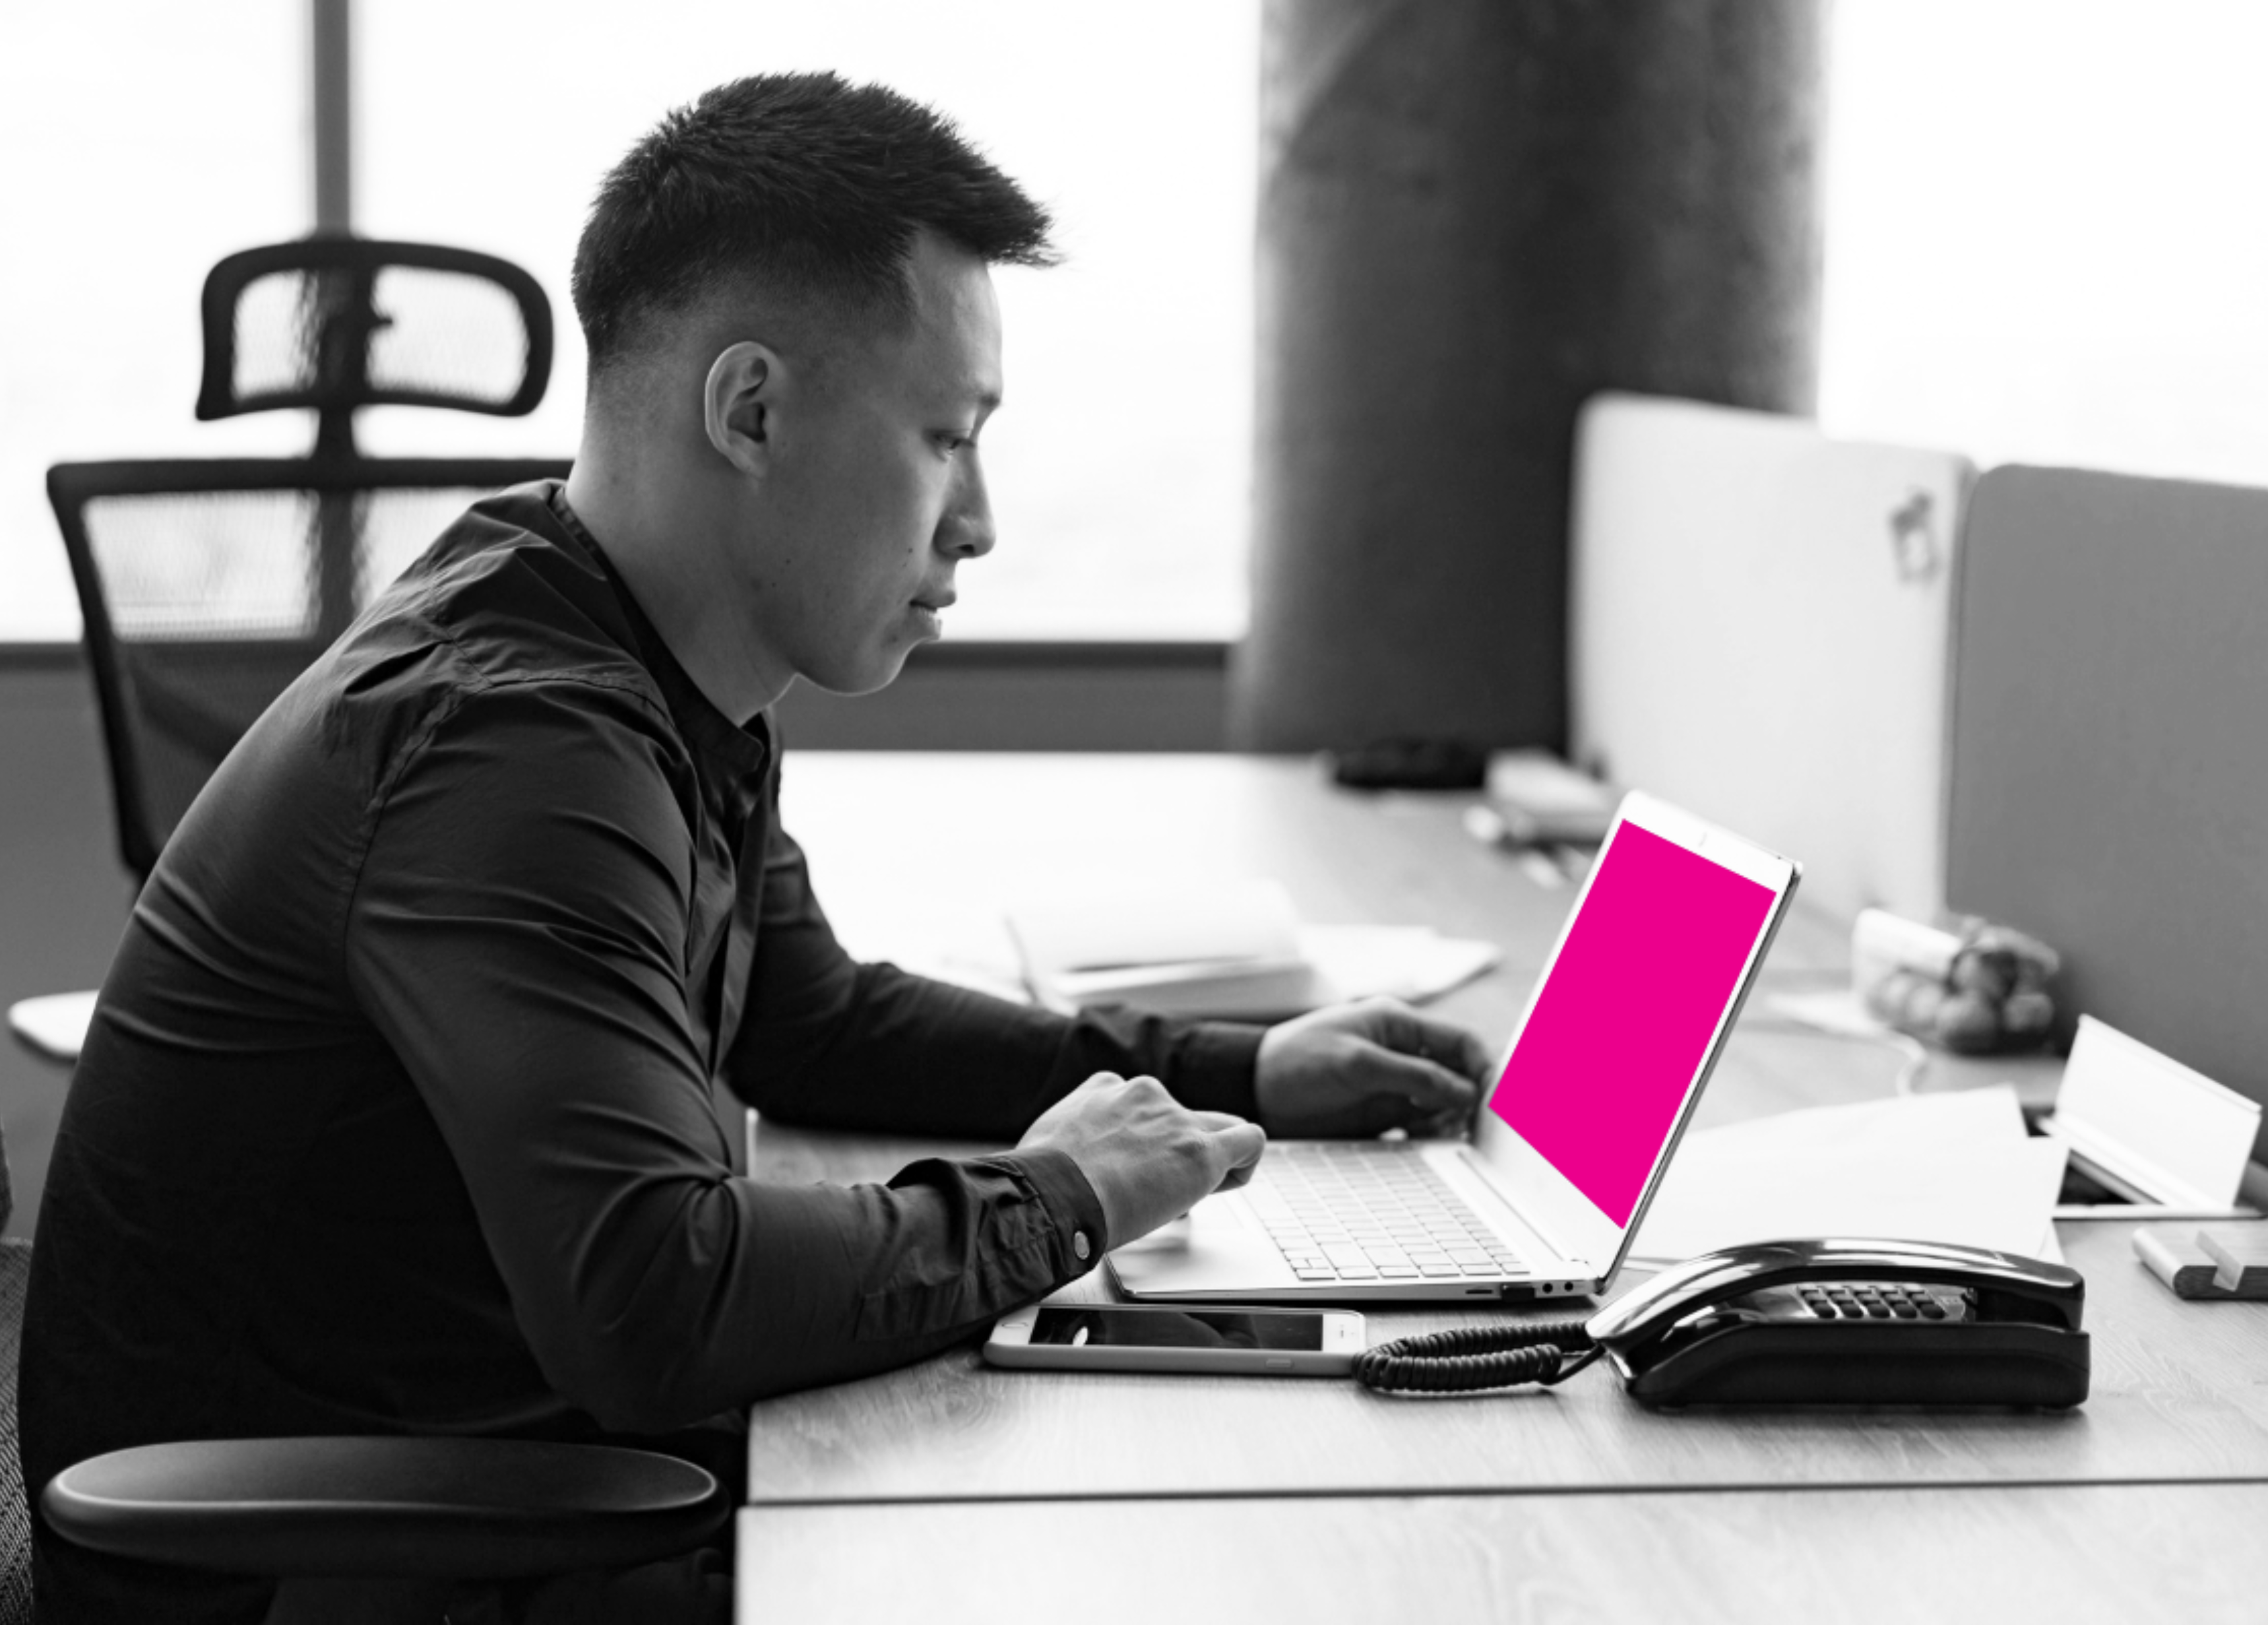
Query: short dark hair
pixel 802 181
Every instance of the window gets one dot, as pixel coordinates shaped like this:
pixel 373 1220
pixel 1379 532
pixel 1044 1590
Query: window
pixel 2042 238
pixel 140 141
pixel 146 139
pixel 1119 465
pixel 2040 244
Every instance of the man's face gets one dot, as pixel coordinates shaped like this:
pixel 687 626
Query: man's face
pixel 877 490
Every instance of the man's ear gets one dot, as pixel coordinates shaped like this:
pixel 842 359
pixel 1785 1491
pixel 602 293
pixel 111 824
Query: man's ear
pixel 737 403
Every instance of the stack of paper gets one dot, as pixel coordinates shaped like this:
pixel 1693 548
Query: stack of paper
pixel 1237 951
pixel 1956 1167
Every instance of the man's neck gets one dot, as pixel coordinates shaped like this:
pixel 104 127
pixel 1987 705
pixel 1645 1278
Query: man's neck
pixel 647 546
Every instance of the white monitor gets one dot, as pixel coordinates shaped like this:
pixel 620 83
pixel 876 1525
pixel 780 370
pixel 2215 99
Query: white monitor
pixel 1760 630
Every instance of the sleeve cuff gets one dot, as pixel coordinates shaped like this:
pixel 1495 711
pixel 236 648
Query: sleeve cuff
pixel 1214 1068
pixel 1080 1237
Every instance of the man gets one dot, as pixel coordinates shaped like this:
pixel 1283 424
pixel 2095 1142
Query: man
pixel 396 1114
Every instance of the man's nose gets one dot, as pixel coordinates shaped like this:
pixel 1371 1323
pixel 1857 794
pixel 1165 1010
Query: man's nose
pixel 968 531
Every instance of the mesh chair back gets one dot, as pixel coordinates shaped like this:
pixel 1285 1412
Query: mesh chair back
pixel 341 322
pixel 15 1506
pixel 207 587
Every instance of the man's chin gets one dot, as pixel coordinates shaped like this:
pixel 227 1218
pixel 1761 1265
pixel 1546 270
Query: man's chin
pixel 868 675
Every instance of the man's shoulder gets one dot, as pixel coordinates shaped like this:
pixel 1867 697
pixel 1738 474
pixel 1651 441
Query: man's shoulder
pixel 516 594
pixel 506 596
pixel 505 613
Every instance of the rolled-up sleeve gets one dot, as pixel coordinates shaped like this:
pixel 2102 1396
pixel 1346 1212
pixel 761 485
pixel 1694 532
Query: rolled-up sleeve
pixel 518 933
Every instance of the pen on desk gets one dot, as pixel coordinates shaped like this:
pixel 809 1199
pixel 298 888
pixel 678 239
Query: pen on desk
pixel 1550 864
pixel 1485 825
pixel 1574 861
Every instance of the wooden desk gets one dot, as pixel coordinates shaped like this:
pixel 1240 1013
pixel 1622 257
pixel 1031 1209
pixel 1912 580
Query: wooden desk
pixel 952 1457
pixel 2122 1555
pixel 2177 1393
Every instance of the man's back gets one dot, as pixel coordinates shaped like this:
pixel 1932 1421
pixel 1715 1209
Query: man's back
pixel 247 1185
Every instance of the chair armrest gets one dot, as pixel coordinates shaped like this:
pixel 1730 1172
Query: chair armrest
pixel 428 1507
pixel 53 1026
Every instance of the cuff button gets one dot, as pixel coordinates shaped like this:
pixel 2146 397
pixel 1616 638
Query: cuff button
pixel 1078 1244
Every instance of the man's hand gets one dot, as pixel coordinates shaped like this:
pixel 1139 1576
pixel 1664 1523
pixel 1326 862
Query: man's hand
pixel 1357 1069
pixel 1149 1158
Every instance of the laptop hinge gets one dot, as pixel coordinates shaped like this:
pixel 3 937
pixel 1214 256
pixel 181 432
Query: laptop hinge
pixel 1560 1251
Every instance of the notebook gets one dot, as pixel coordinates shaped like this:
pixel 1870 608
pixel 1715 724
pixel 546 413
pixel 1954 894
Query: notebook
pixel 1618 1038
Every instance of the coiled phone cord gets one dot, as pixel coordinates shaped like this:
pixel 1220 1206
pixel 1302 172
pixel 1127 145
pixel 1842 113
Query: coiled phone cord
pixel 1471 1358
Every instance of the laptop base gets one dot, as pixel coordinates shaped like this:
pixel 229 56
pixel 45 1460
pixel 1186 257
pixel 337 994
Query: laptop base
pixel 1220 1253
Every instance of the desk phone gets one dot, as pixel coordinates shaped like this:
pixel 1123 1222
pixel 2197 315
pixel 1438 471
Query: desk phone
pixel 1835 1322
pixel 1851 1322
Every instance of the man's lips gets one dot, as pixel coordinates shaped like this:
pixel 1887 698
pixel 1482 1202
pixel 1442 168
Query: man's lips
pixel 944 601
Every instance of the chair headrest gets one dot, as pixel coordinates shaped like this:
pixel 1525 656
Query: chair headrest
pixel 339 322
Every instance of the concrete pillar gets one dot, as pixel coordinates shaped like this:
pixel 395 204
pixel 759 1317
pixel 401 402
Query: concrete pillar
pixel 1473 214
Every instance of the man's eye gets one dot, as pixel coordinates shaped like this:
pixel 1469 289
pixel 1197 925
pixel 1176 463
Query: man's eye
pixel 956 442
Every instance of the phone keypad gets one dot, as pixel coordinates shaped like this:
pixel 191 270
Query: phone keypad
pixel 1874 1300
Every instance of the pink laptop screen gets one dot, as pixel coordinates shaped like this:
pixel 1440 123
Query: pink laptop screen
pixel 1620 1027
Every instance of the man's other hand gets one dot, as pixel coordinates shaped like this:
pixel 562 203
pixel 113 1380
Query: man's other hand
pixel 1149 1158
pixel 1353 1070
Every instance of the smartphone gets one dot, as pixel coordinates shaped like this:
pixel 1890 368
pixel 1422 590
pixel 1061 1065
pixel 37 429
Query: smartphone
pixel 1256 1342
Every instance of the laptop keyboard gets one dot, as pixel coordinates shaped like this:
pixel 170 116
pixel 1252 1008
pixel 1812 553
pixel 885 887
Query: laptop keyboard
pixel 1370 1210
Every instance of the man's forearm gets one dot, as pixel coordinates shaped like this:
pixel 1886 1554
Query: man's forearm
pixel 691 1307
pixel 874 1048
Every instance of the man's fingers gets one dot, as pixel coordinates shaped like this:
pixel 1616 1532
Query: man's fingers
pixel 1459 1048
pixel 1243 1143
pixel 1246 1140
pixel 1442 1126
pixel 1428 1085
pixel 1221 1122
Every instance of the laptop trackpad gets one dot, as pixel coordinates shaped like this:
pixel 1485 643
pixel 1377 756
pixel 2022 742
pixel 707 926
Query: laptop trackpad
pixel 1219 1245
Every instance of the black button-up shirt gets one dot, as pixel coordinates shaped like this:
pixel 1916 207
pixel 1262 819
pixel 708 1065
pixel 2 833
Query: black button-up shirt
pixel 398 1113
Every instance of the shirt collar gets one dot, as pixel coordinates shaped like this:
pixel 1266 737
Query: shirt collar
pixel 741 750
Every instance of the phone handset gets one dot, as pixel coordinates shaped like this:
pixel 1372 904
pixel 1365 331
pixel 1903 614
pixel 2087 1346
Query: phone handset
pixel 2009 1288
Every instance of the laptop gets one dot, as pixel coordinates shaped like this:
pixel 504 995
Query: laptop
pixel 1600 1080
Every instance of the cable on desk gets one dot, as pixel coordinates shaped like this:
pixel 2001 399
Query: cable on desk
pixel 1914 1053
pixel 1917 1055
pixel 1470 1359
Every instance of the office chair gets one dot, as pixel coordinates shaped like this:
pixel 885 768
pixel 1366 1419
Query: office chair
pixel 359 1531
pixel 207 586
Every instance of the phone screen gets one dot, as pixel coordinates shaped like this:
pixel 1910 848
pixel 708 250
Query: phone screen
pixel 1191 1328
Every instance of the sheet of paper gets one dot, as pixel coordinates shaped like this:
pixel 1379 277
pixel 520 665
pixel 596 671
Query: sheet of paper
pixel 1950 1168
pixel 1898 1123
pixel 1403 962
pixel 1414 963
pixel 1110 929
pixel 2167 1129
